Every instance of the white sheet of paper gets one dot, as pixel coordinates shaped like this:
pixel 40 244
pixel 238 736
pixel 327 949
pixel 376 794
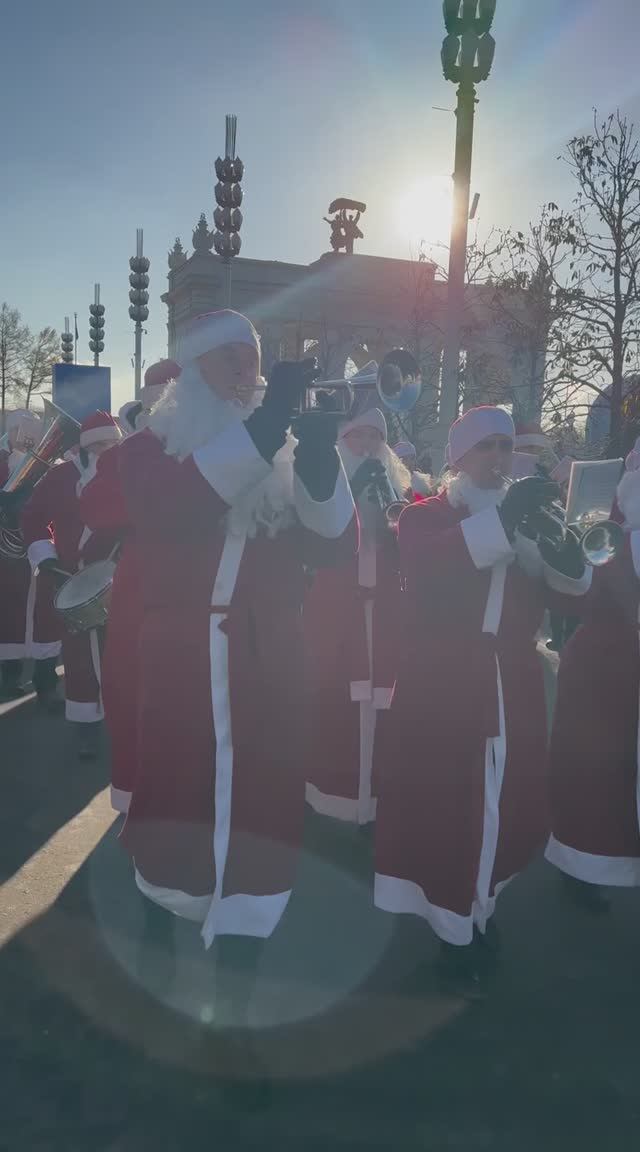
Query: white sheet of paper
pixel 592 488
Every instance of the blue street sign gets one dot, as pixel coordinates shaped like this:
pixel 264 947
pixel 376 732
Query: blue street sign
pixel 80 389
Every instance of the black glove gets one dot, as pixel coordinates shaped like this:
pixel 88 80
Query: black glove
pixel 51 565
pixel 132 416
pixel 367 475
pixel 523 500
pixel 11 504
pixel 268 425
pixel 566 557
pixel 316 459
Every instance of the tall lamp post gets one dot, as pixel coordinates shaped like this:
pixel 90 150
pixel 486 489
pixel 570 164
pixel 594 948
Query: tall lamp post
pixel 467 55
pixel 227 216
pixel 138 306
pixel 96 325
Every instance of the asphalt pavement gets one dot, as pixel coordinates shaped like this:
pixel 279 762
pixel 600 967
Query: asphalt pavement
pixel 108 1048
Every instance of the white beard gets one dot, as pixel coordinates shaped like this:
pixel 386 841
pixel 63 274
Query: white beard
pixel 422 484
pixel 189 415
pixel 628 496
pixel 462 492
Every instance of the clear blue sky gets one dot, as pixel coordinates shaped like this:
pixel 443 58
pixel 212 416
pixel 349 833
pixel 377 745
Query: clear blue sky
pixel 113 113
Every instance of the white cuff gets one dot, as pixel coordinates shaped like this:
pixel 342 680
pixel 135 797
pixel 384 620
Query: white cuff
pixel 568 584
pixel 231 463
pixel 40 550
pixel 328 518
pixel 485 538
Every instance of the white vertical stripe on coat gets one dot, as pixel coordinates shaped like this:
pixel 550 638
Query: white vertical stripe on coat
pixel 222 594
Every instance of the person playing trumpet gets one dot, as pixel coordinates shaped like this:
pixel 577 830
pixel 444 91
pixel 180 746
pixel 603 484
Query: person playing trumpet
pixel 351 630
pixel 462 802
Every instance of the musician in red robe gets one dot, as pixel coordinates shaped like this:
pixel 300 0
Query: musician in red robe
pixel 58 541
pixel 462 803
pixel 226 509
pixel 422 484
pixel 351 627
pixel 29 627
pixel 104 512
pixel 595 784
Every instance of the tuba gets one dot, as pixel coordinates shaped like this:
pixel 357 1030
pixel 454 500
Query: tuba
pixel 61 434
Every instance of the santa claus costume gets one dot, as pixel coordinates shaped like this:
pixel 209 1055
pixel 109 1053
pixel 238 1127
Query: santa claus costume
pixel 57 539
pixel 29 627
pixel 224 525
pixel 105 513
pixel 462 804
pixel 421 484
pixel 595 783
pixel 351 623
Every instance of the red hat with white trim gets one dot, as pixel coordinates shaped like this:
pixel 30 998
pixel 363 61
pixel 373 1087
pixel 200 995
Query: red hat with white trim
pixel 372 418
pixel 99 428
pixel 156 379
pixel 214 330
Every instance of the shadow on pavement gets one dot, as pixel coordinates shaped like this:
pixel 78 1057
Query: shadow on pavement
pixel 350 1047
pixel 43 780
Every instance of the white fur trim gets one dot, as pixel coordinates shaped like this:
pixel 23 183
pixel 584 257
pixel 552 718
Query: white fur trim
pixel 101 435
pixel 173 900
pixel 249 915
pixel 383 698
pixel 566 584
pixel 231 463
pixel 485 538
pixel 474 426
pixel 214 330
pixel 371 418
pixel 393 894
pixel 617 871
pixel 39 651
pixel 83 713
pixel 328 518
pixel 40 550
pixel 222 594
pixel 339 807
pixel 13 651
pixel 360 690
pixel 494 765
pixel 120 800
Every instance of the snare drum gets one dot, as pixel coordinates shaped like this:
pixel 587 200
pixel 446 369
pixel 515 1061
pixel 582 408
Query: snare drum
pixel 83 600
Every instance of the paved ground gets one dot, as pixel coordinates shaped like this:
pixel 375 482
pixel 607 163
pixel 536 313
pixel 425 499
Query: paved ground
pixel 350 1045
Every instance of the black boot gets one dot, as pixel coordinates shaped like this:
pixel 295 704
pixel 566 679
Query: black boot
pixel 11 675
pixel 45 682
pixel 459 973
pixel 590 898
pixel 236 960
pixel 156 962
pixel 88 741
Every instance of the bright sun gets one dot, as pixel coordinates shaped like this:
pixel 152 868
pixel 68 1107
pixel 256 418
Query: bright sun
pixel 423 212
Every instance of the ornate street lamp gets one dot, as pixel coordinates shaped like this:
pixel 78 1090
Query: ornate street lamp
pixel 227 216
pixel 96 325
pixel 66 341
pixel 467 55
pixel 138 306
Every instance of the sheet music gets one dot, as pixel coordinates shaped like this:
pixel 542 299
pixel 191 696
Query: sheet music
pixel 592 488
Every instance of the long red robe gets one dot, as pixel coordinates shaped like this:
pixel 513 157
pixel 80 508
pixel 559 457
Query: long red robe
pixel 462 804
pixel 351 623
pixel 29 624
pixel 52 528
pixel 595 785
pixel 104 509
pixel 216 815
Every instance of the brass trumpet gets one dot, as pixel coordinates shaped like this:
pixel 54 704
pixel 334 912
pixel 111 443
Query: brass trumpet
pixel 600 540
